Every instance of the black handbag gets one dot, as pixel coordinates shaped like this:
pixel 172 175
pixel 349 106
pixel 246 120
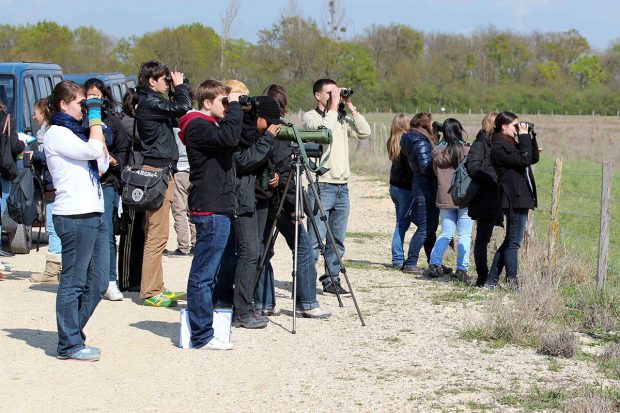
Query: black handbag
pixel 144 189
pixel 8 167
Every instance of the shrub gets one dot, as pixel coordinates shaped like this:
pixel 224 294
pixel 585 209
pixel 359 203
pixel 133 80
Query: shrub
pixel 561 344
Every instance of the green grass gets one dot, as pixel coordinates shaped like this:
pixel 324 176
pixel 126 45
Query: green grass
pixel 536 400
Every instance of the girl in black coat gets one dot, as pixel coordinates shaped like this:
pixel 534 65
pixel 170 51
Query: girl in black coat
pixel 484 208
pixel 512 159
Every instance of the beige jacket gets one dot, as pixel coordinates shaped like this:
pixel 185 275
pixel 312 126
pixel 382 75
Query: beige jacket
pixel 444 172
pixel 338 152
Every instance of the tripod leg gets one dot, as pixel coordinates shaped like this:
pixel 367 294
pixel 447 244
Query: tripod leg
pixel 332 241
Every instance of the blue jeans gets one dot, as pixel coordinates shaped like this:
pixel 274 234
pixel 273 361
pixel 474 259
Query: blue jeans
pixel 53 243
pixel 508 252
pixel 451 220
pixel 110 202
pixel 6 190
pixel 84 276
pixel 335 201
pixel 402 201
pixel 264 295
pixel 212 235
pixel 425 215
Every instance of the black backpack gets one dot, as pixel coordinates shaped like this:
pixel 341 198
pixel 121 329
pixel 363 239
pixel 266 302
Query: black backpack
pixel 462 189
pixel 25 203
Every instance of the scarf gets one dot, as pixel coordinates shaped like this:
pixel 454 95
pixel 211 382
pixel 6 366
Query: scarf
pixel 67 121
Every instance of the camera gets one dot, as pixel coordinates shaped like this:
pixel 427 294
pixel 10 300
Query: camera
pixel 265 177
pixel 321 135
pixel 437 128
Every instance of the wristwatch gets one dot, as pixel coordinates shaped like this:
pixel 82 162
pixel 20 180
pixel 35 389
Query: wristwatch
pixel 353 109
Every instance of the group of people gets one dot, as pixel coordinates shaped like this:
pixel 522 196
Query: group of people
pixel 211 154
pixel 423 165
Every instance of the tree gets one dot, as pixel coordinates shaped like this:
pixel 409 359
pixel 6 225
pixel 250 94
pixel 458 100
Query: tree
pixel 587 69
pixel 509 55
pixel 227 20
pixel 92 51
pixel 387 45
pixel 45 41
pixel 354 67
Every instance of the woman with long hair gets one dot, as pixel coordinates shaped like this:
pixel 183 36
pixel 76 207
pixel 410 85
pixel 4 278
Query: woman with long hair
pixel 446 157
pixel 513 150
pixel 417 144
pixel 76 156
pixel 484 207
pixel 400 186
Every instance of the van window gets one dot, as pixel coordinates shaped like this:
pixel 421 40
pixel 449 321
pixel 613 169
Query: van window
pixel 45 86
pixel 28 102
pixel 57 80
pixel 7 92
pixel 116 92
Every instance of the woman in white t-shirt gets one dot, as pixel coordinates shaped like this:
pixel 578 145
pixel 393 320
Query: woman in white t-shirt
pixel 76 156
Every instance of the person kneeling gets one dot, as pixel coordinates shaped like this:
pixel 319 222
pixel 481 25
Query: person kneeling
pixel 210 135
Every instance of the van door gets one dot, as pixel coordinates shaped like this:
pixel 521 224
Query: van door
pixel 28 99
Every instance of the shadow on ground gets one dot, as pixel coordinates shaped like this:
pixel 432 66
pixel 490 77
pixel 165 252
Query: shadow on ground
pixel 160 328
pixel 45 340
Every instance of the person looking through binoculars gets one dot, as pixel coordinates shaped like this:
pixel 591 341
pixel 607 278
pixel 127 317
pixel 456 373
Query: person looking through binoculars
pixel 331 112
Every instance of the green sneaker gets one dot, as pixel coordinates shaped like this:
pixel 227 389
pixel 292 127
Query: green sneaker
pixel 159 300
pixel 174 295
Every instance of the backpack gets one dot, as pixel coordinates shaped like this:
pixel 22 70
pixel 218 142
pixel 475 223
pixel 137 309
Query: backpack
pixel 8 167
pixel 462 188
pixel 25 203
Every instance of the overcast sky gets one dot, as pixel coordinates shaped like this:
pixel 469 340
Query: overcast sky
pixel 597 20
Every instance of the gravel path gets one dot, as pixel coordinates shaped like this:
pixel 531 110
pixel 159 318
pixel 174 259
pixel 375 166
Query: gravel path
pixel 409 356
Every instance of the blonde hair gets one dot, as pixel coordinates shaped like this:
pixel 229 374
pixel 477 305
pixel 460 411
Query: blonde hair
pixel 488 123
pixel 237 86
pixel 400 124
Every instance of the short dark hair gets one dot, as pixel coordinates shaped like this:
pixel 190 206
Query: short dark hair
pixel 279 94
pixel 130 100
pixel 209 89
pixel 318 85
pixel 152 69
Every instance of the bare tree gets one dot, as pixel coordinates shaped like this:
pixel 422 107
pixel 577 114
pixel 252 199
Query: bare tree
pixel 227 21
pixel 336 23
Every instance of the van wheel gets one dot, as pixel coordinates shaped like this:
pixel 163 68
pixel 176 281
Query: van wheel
pixel 20 241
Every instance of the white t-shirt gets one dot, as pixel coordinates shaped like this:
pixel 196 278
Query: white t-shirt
pixel 67 159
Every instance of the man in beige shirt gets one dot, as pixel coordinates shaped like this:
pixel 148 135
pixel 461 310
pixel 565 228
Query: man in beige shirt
pixel 333 191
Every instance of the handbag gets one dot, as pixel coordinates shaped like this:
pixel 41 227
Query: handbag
pixel 144 189
pixel 8 167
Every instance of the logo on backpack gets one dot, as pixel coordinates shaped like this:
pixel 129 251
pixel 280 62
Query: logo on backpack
pixel 137 195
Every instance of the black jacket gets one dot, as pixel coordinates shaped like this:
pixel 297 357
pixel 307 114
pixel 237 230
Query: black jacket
pixel 155 117
pixel 515 180
pixel 17 146
pixel 210 155
pixel 118 148
pixel 418 147
pixel 400 172
pixel 250 156
pixel 485 204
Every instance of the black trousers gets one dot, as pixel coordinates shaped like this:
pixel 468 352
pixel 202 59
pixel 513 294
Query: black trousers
pixel 130 251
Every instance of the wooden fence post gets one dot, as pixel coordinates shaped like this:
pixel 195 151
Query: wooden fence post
pixel 528 237
pixel 554 211
pixel 603 240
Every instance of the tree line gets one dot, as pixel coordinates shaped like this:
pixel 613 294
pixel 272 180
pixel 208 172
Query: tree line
pixel 390 67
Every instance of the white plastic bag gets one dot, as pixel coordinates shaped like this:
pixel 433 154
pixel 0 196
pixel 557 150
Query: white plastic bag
pixel 222 326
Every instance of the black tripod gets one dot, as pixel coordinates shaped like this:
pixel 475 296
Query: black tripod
pixel 297 166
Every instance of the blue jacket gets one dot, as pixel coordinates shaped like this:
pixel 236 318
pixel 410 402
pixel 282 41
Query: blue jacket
pixel 417 146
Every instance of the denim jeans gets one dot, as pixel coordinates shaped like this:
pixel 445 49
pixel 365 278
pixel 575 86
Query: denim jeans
pixel 84 276
pixel 264 295
pixel 425 215
pixel 453 219
pixel 402 201
pixel 508 252
pixel 484 231
pixel 335 201
pixel 6 190
pixel 212 235
pixel 53 243
pixel 110 202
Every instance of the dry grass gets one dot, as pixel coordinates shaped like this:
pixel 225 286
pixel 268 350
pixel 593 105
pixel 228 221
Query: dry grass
pixel 591 400
pixel 562 344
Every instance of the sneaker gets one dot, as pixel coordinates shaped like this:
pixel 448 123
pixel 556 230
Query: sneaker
pixel 4 253
pixel 463 276
pixel 412 269
pixel 434 271
pixel 174 295
pixel 94 349
pixel 216 344
pixel 490 286
pixel 446 270
pixel 251 320
pixel 398 266
pixel 316 312
pixel 113 293
pixel 271 312
pixel 176 253
pixel 332 288
pixel 159 300
pixel 85 354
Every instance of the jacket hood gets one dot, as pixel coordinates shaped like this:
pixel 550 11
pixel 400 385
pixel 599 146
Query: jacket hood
pixel 188 117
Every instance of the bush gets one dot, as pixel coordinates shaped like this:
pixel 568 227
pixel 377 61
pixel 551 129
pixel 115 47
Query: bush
pixel 561 344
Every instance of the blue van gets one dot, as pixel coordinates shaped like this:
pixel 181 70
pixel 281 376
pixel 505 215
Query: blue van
pixel 21 83
pixel 115 82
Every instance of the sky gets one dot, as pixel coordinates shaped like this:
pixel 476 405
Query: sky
pixel 597 20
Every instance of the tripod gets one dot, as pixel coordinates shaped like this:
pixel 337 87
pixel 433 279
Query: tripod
pixel 299 165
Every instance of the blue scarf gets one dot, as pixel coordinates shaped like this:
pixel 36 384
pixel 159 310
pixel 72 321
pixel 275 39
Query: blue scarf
pixel 69 122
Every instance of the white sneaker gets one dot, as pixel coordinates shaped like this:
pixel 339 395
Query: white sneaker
pixel 113 293
pixel 217 344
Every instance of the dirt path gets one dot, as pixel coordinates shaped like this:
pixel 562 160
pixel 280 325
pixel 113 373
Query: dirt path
pixel 409 357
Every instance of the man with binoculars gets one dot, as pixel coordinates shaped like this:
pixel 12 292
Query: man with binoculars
pixel 333 191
